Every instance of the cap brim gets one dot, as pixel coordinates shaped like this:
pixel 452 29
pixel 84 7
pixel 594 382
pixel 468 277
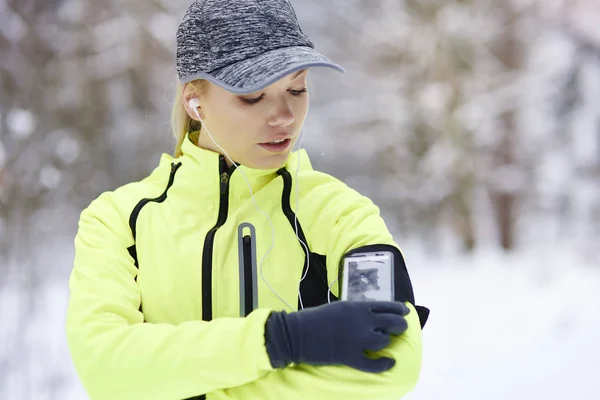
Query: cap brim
pixel 254 74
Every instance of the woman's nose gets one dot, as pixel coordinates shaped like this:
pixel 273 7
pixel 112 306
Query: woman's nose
pixel 283 114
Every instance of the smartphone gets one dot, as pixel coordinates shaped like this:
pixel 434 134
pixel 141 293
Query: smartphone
pixel 368 276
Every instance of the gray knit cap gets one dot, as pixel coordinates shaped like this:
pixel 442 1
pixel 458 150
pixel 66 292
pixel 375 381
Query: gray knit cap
pixel 243 45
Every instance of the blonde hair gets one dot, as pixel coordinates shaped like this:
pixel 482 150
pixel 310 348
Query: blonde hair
pixel 181 122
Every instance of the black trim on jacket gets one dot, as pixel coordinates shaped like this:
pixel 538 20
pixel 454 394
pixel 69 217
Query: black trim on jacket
pixel 314 288
pixel 207 252
pixel 136 212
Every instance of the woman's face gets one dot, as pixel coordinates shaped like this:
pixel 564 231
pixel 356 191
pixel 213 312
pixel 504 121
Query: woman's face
pixel 249 127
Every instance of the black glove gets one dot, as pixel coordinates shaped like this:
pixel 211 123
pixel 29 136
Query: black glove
pixel 335 334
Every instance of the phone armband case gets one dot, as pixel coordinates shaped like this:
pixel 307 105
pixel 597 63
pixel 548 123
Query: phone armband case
pixel 368 276
pixel 377 273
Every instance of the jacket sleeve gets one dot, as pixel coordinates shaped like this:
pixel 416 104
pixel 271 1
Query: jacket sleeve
pixel 118 356
pixel 345 221
pixel 357 223
pixel 338 382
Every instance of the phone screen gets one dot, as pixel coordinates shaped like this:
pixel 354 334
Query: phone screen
pixel 368 277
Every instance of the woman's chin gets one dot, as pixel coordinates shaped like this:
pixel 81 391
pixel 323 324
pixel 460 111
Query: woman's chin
pixel 269 162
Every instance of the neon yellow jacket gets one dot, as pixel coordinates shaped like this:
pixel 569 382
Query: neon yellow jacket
pixel 158 311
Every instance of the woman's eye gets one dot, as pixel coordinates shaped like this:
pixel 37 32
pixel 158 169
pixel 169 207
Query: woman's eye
pixel 298 92
pixel 259 98
pixel 252 101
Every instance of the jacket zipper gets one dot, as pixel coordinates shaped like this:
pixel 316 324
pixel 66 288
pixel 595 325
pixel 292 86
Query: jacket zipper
pixel 207 253
pixel 248 291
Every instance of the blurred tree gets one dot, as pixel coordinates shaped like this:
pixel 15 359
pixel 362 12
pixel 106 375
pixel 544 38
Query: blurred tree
pixel 82 93
pixel 508 49
pixel 426 64
pixel 431 108
pixel 83 109
pixel 439 108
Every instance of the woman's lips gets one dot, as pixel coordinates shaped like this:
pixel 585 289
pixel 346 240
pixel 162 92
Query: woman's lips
pixel 277 147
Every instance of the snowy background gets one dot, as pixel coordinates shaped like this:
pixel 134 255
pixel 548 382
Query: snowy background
pixel 475 125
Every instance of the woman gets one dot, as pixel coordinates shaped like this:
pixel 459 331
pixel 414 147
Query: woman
pixel 201 281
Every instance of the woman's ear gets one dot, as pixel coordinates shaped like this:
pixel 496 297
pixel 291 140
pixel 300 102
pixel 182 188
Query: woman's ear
pixel 192 104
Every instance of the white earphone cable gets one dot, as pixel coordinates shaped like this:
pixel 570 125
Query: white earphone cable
pixel 329 290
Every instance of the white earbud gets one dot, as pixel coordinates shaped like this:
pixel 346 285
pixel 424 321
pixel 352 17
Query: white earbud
pixel 194 103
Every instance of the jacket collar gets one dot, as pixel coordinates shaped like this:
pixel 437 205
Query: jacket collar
pixel 201 168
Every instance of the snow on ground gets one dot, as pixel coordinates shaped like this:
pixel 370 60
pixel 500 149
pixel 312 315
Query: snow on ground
pixel 521 326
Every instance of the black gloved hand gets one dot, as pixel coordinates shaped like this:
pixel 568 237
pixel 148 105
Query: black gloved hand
pixel 335 334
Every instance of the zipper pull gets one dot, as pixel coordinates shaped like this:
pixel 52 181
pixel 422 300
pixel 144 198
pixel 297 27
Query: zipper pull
pixel 224 181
